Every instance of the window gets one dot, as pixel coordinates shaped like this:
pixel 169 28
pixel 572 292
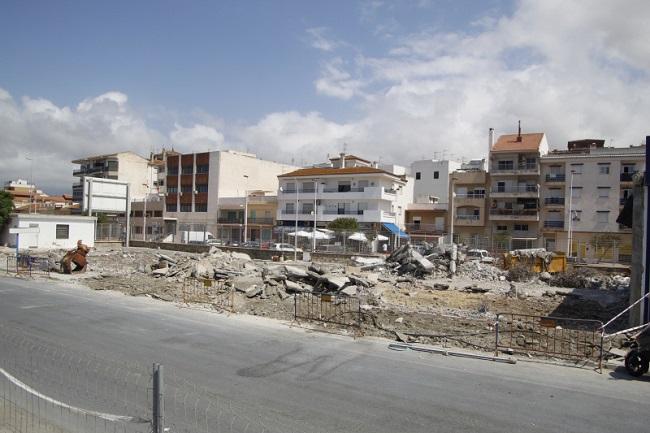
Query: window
pixel 501 186
pixel 138 230
pixel 502 228
pixel 602 216
pixel 576 168
pixel 161 182
pixel 436 174
pixel 186 207
pixel 63 231
pixel 137 213
pixel 576 192
pixel 603 191
pixel 157 214
pixel 187 169
pixel 202 188
pixel 521 227
pixel 203 168
pixel 172 189
pixel 289 208
pixel 418 175
pixel 201 207
pixel 172 171
pixel 290 187
pixel 171 207
pixel 603 168
pixel 628 168
pixel 186 188
pixel 505 165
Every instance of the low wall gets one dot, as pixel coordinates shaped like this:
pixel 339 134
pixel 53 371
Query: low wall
pixel 253 253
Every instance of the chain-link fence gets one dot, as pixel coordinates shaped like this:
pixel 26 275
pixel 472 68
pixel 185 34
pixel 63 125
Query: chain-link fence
pixel 110 232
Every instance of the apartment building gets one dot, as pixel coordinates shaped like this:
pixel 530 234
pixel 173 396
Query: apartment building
pixel 123 166
pixel 348 186
pixel 514 167
pixel 27 198
pixel 211 191
pixel 583 189
pixel 426 216
pixel 469 187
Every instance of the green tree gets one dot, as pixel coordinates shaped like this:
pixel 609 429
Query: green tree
pixel 6 206
pixel 102 218
pixel 344 224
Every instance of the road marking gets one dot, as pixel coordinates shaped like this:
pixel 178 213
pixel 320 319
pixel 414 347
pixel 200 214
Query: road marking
pixel 106 416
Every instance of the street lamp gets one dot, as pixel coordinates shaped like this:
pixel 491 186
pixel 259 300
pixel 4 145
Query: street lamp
pixel 451 223
pixel 144 214
pixel 246 210
pixel 31 182
pixel 295 233
pixel 313 234
pixel 569 233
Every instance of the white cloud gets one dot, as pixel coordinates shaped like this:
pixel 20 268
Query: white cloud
pixel 337 82
pixel 320 41
pixel 196 137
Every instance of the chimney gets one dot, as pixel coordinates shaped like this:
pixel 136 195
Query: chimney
pixel 519 132
pixel 342 155
pixel 490 140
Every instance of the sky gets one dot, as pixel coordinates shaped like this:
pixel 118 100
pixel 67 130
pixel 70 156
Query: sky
pixel 293 81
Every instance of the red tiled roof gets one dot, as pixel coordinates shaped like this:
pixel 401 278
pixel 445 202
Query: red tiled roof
pixel 311 172
pixel 349 157
pixel 508 143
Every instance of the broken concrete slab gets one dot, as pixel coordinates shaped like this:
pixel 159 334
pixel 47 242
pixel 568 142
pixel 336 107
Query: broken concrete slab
pixel 240 256
pixel 253 291
pixel 349 290
pixel 295 272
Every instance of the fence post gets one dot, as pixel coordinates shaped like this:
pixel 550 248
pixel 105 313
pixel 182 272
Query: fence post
pixel 496 340
pixel 295 306
pixel 158 414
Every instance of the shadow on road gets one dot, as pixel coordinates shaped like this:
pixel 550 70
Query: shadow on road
pixel 620 373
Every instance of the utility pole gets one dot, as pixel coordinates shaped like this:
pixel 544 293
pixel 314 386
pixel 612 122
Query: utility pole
pixel 569 232
pixel 295 233
pixel 246 210
pixel 313 234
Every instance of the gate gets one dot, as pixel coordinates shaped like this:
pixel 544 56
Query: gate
pixel 560 337
pixel 24 264
pixel 207 291
pixel 340 310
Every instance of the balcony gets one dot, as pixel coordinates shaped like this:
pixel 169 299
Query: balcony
pixel 227 220
pixel 468 220
pixel 514 214
pixel 521 169
pixel 469 199
pixel 554 201
pixel 627 177
pixel 261 221
pixel 556 177
pixel 343 212
pixel 362 216
pixel 430 229
pixel 524 191
pixel 553 225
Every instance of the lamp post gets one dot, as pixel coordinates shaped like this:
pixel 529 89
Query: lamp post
pixel 569 233
pixel 144 214
pixel 246 210
pixel 313 234
pixel 295 233
pixel 31 182
pixel 451 222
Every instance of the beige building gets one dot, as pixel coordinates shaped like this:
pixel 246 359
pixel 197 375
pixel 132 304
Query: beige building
pixel 514 190
pixel 583 189
pixel 468 189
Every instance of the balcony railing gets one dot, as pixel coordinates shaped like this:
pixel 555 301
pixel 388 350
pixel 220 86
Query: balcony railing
pixel 553 224
pixel 466 217
pixel 516 188
pixel 523 168
pixel 555 177
pixel 426 228
pixel 471 195
pixel 627 177
pixel 554 200
pixel 226 220
pixel 339 189
pixel 514 212
pixel 267 220
pixel 343 212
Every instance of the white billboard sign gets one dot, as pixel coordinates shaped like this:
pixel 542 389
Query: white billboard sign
pixel 104 195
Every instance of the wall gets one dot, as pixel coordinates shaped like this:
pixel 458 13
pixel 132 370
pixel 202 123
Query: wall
pixel 135 169
pixel 428 186
pixel 81 228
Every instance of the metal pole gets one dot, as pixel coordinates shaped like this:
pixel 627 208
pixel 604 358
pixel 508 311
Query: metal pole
pixel 313 234
pixel 90 196
pixel 451 222
pixel 144 220
pixel 158 418
pixel 246 210
pixel 569 234
pixel 295 233
pixel 128 214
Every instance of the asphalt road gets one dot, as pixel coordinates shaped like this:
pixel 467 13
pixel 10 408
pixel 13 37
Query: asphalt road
pixel 271 377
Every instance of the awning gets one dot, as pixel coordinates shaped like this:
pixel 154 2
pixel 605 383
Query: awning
pixel 395 230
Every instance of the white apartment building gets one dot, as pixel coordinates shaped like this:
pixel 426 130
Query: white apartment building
pixel 584 189
pixel 123 166
pixel 431 179
pixel 514 169
pixel 350 187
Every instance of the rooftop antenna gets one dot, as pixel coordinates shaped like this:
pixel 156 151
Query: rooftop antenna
pixel 345 147
pixel 519 131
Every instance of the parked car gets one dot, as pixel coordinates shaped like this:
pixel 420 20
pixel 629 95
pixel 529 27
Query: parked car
pixel 285 247
pixel 251 244
pixel 214 242
pixel 481 255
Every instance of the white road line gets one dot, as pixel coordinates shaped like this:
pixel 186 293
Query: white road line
pixel 106 416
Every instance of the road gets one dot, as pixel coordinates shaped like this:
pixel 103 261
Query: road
pixel 287 379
